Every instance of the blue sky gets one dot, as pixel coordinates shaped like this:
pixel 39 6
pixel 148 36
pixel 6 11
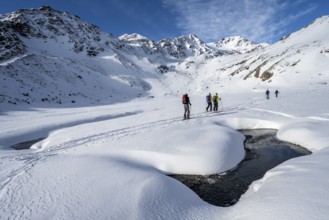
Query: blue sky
pixel 211 20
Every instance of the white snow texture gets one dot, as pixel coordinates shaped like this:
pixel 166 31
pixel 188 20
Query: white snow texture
pixel 109 110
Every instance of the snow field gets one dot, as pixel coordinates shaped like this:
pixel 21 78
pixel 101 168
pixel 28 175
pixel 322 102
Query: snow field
pixel 111 161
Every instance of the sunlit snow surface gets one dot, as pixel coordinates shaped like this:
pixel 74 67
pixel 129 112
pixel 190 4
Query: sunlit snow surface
pixel 111 161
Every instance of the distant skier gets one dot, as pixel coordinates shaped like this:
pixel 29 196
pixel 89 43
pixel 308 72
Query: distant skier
pixel 267 94
pixel 209 99
pixel 186 102
pixel 276 93
pixel 215 100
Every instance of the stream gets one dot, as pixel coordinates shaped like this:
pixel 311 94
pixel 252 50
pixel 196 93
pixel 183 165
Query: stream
pixel 263 152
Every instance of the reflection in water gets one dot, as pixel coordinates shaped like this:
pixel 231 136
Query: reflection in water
pixel 263 152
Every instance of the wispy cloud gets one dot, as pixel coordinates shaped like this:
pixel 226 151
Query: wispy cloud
pixel 258 20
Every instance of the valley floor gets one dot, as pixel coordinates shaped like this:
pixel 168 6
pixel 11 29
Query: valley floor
pixel 110 162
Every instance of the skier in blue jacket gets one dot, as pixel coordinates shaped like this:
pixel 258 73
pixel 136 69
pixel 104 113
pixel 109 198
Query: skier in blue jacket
pixel 209 99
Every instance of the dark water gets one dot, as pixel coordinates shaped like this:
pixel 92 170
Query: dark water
pixel 263 152
pixel 26 144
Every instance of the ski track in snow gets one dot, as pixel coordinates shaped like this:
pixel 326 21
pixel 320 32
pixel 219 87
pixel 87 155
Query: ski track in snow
pixel 273 112
pixel 319 118
pixel 26 160
pixel 31 158
pixel 289 115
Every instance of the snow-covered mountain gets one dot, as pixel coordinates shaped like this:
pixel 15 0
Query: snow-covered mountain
pixel 181 47
pixel 237 44
pixel 48 56
pixel 47 24
pixel 291 62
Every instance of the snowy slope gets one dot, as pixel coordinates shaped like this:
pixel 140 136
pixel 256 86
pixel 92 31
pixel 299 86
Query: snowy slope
pixel 290 62
pixel 60 61
pixel 54 57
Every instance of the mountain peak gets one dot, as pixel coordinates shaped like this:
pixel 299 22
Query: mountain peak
pixel 46 8
pixel 236 44
pixel 191 36
pixel 132 37
pixel 48 25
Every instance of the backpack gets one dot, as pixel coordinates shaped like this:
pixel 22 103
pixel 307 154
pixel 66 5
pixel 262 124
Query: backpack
pixel 184 99
pixel 208 98
pixel 215 99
